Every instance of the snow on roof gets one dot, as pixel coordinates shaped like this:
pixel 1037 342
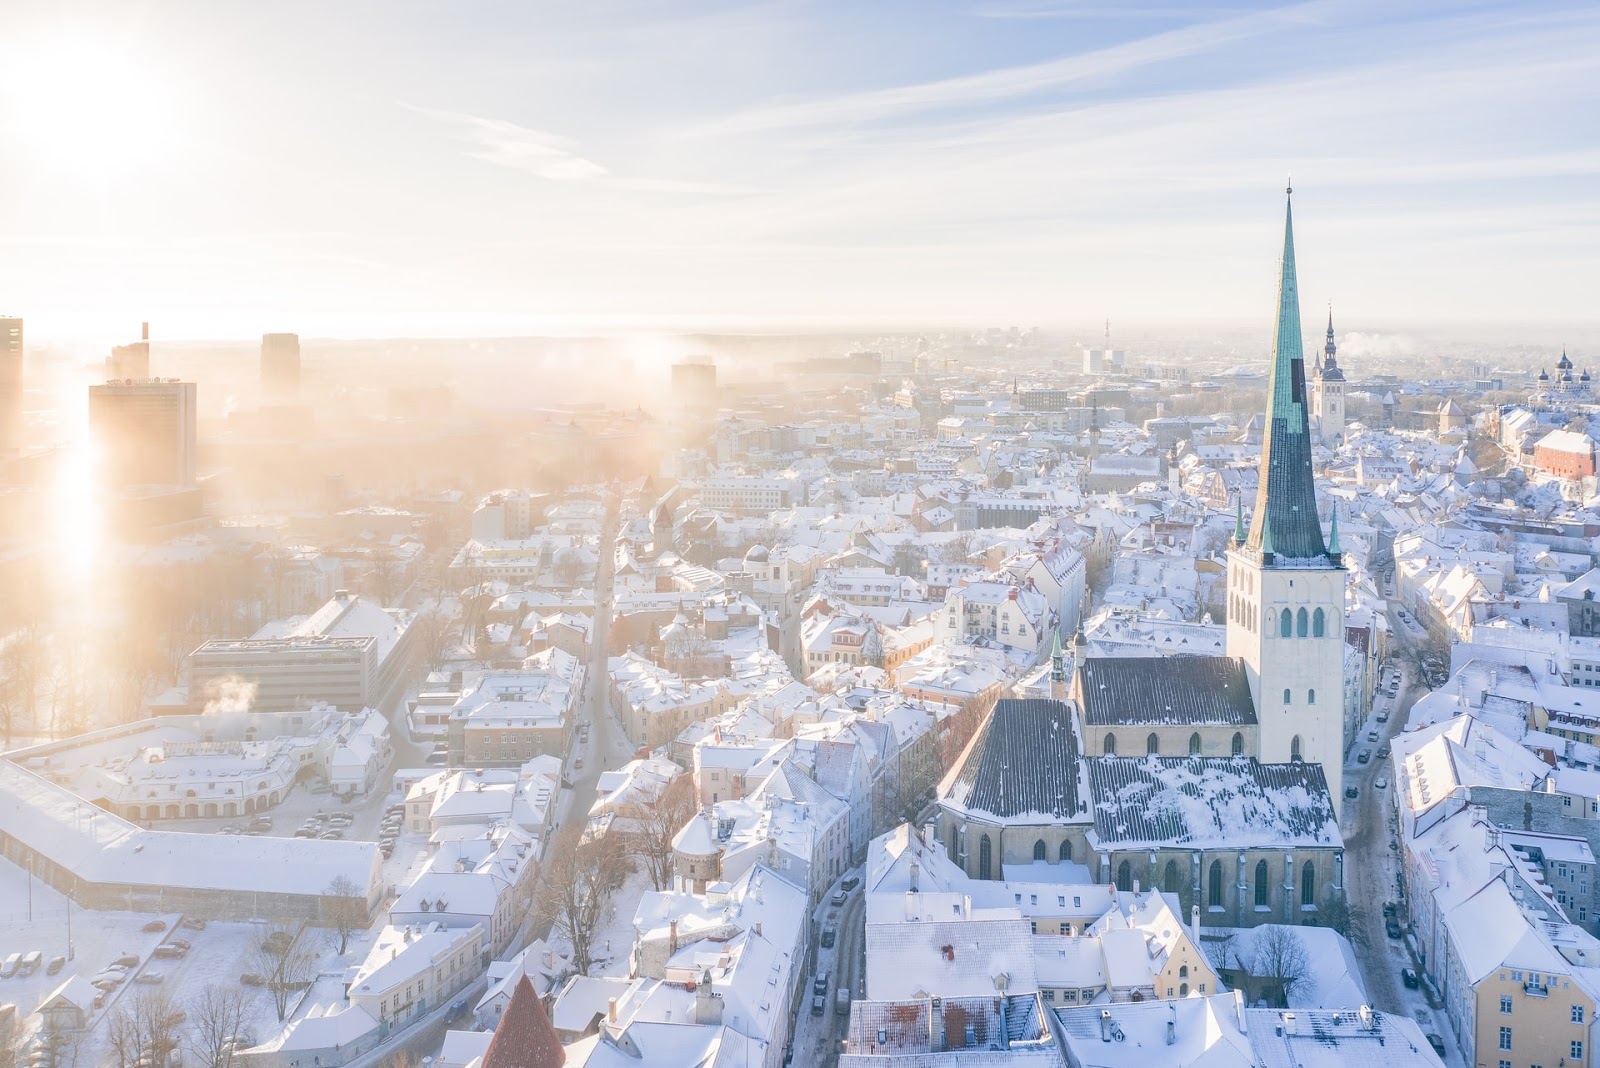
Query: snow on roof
pixel 949 959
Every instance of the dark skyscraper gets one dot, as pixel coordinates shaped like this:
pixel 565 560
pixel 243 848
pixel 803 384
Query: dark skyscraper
pixel 280 366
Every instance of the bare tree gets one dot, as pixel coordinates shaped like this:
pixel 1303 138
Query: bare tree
pixel 144 1031
pixel 284 965
pixel 578 881
pixel 659 821
pixel 1280 956
pixel 347 908
pixel 216 1022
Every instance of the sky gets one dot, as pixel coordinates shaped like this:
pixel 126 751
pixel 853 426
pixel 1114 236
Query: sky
pixel 394 167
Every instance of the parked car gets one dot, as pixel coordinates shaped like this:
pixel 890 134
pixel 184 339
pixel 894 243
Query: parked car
pixel 838 898
pixel 1391 927
pixel 31 961
pixel 262 822
pixel 1381 782
pixel 1383 717
pixel 169 952
pixel 1383 751
pixel 181 943
pixel 154 925
pixel 850 884
pixel 818 1003
pixel 1408 976
pixel 1352 792
pixel 9 968
pixel 55 965
pixel 1436 1042
pixel 830 935
pixel 819 985
pixel 127 960
pixel 149 978
pixel 305 832
pixel 578 764
pixel 331 835
pixel 841 1001
pixel 1364 756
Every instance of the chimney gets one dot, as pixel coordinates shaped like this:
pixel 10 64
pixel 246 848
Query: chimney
pixel 916 876
pixel 611 1010
pixel 672 938
pixel 1239 1011
pixel 1105 1025
pixel 1194 924
pixel 1290 1023
pixel 758 928
pixel 1172 1023
pixel 1367 1020
pixel 929 837
pixel 1136 888
pixel 144 331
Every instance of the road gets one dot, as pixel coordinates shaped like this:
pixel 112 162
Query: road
pixel 816 1039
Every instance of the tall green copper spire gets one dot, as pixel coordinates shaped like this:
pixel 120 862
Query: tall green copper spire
pixel 1238 520
pixel 1286 500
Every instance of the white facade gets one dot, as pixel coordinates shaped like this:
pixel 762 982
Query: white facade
pixel 1288 625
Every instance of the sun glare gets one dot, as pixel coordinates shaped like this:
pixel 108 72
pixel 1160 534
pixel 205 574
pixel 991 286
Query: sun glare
pixel 86 110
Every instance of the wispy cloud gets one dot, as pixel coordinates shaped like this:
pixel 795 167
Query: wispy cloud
pixel 1077 9
pixel 1012 82
pixel 506 144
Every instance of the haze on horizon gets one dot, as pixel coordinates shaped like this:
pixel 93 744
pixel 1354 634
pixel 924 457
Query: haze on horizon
pixel 417 169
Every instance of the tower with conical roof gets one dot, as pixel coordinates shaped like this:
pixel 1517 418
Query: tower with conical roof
pixel 1327 391
pixel 1285 582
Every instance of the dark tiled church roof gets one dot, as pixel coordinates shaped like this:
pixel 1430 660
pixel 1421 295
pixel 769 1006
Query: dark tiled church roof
pixel 1186 690
pixel 1210 803
pixel 1023 763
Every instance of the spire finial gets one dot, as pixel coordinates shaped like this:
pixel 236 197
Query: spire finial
pixel 1289 188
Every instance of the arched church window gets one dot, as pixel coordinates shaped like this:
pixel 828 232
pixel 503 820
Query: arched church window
pixel 1109 748
pixel 1262 884
pixel 984 857
pixel 1311 697
pixel 1308 885
pixel 1038 850
pixel 1152 744
pixel 1288 697
pixel 1169 878
pixel 1238 744
pixel 1285 624
pixel 1294 748
pixel 1319 624
pixel 1065 852
pixel 1214 885
pixel 1300 622
pixel 1194 744
pixel 1124 876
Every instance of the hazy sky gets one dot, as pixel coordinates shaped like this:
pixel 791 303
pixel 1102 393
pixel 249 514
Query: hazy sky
pixel 226 168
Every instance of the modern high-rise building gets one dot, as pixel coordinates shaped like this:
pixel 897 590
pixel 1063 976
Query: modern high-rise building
pixel 10 380
pixel 694 384
pixel 280 365
pixel 144 430
pixel 131 361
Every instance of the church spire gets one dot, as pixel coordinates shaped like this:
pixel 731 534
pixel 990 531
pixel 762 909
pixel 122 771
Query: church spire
pixel 1328 347
pixel 1286 523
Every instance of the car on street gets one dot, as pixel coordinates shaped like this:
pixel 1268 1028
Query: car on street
pixel 1372 736
pixel 194 923
pixel 818 1003
pixel 1381 782
pixel 149 978
pixel 819 985
pixel 127 960
pixel 1408 976
pixel 154 925
pixel 331 836
pixel 850 884
pixel 1364 756
pixel 830 935
pixel 1383 751
pixel 1383 717
pixel 578 764
pixel 305 832
pixel 1391 927
pixel 1352 792
pixel 9 968
pixel 55 965
pixel 1436 1042
pixel 169 952
pixel 838 898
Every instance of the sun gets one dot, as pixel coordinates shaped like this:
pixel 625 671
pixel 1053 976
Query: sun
pixel 85 109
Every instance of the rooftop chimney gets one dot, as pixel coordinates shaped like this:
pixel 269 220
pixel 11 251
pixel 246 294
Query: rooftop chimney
pixel 144 331
pixel 1172 1023
pixel 1105 1025
pixel 1239 1011
pixel 1368 1021
pixel 916 876
pixel 1290 1023
pixel 611 1010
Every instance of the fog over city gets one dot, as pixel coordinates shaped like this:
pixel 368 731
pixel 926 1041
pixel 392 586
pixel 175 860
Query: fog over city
pixel 1022 533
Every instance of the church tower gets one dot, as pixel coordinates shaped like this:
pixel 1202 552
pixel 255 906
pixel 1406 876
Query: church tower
pixel 1285 584
pixel 1327 391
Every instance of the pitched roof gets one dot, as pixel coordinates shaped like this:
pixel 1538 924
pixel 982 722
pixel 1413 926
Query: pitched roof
pixel 1165 690
pixel 1217 801
pixel 524 1038
pixel 1024 761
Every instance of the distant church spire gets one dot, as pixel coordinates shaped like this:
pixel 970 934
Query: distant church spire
pixel 1286 522
pixel 1328 347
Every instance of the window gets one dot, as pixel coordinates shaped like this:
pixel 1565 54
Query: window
pixel 1300 622
pixel 1577 1014
pixel 1152 744
pixel 1038 850
pixel 1285 623
pixel 1049 995
pixel 1504 1063
pixel 984 858
pixel 1238 744
pixel 1262 889
pixel 1183 990
pixel 1169 878
pixel 1214 885
pixel 1577 1051
pixel 1505 1004
pixel 1110 746
pixel 1287 696
pixel 1311 697
pixel 1505 1039
pixel 1194 744
pixel 1124 876
pixel 1183 971
pixel 1065 852
pixel 1319 624
pixel 1308 885
pixel 1294 748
